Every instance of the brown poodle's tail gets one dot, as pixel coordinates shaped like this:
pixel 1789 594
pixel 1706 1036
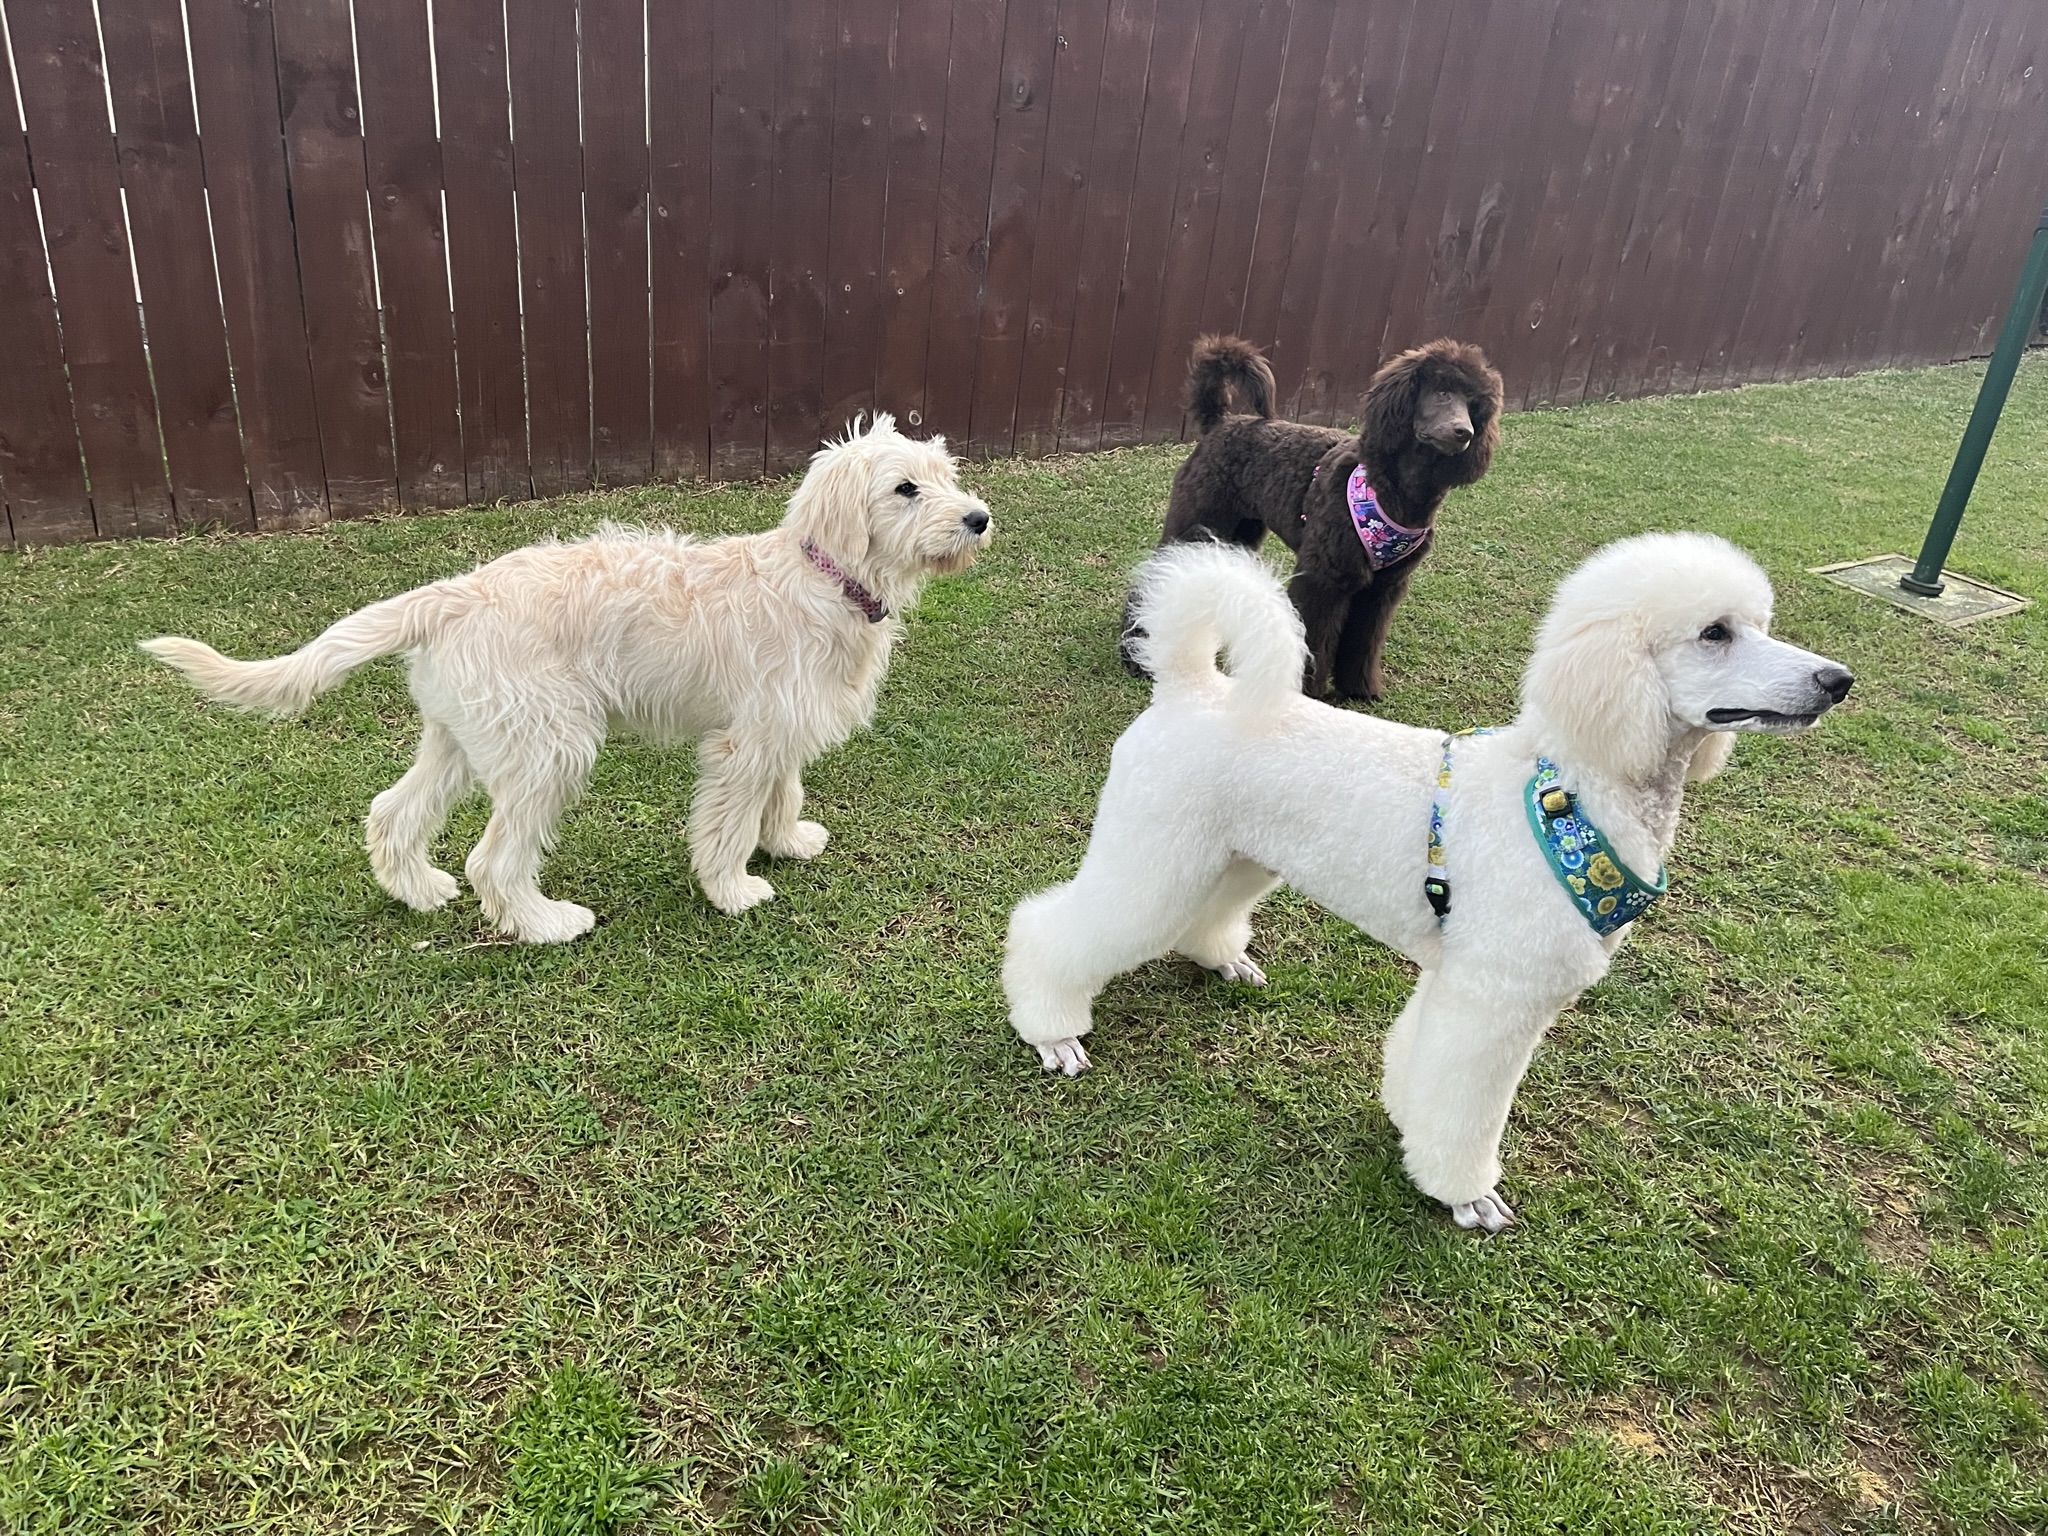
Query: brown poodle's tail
pixel 1218 365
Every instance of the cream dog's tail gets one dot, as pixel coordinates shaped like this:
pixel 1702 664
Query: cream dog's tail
pixel 1192 600
pixel 284 685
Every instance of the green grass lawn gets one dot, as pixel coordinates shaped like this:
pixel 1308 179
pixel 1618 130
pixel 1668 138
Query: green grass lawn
pixel 317 1214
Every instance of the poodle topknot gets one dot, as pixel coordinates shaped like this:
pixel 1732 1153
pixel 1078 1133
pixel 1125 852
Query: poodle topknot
pixel 1653 654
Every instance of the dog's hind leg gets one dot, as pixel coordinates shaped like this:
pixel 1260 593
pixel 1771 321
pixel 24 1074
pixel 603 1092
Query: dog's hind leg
pixel 1222 927
pixel 1065 943
pixel 529 792
pixel 1452 1063
pixel 783 836
pixel 406 818
pixel 738 775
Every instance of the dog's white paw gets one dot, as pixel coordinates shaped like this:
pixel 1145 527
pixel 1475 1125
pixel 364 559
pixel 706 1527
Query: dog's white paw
pixel 1243 969
pixel 806 841
pixel 552 922
pixel 1064 1056
pixel 1489 1212
pixel 424 890
pixel 734 897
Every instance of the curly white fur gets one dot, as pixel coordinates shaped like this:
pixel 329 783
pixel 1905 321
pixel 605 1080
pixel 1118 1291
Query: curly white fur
pixel 1653 652
pixel 521 667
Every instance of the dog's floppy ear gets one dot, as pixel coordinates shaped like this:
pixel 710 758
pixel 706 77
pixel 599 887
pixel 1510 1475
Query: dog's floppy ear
pixel 1711 756
pixel 1388 424
pixel 830 508
pixel 1597 689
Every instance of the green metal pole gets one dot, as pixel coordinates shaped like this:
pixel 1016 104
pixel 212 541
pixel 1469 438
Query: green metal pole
pixel 2005 361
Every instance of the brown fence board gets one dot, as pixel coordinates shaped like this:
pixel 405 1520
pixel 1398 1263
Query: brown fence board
pixel 679 246
pixel 1197 192
pixel 1248 161
pixel 1077 85
pixel 483 245
pixel 330 212
pixel 165 185
pixel 241 144
pixel 1023 103
pixel 960 256
pixel 917 112
pixel 402 160
pixel 77 172
pixel 746 47
pixel 41 476
pixel 676 237
pixel 547 180
pixel 800 235
pixel 859 202
pixel 1112 167
pixel 1176 27
pixel 615 172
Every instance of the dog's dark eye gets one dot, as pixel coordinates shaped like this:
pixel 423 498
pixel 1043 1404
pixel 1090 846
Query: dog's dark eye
pixel 907 488
pixel 1717 634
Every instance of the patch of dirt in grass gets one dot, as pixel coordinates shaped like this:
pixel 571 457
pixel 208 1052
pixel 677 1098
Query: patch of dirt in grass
pixel 1891 1202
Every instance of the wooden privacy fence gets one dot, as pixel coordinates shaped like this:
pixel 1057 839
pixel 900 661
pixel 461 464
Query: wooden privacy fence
pixel 388 254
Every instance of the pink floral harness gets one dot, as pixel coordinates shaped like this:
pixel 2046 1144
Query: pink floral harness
pixel 1386 541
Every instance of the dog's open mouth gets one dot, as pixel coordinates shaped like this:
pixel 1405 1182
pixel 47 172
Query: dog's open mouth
pixel 1762 719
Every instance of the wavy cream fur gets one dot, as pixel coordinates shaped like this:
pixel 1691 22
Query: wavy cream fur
pixel 522 667
pixel 1227 786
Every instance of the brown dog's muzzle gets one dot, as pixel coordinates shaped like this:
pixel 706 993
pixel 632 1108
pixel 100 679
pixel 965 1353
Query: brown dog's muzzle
pixel 1444 422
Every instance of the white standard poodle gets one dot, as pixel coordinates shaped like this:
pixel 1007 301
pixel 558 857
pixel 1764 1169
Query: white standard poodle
pixel 1653 651
pixel 768 649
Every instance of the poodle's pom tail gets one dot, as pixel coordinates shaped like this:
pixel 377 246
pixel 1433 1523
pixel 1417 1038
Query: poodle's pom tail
pixel 285 685
pixel 1220 364
pixel 1192 600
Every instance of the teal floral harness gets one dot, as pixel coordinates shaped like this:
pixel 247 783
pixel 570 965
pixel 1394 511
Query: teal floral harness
pixel 1608 894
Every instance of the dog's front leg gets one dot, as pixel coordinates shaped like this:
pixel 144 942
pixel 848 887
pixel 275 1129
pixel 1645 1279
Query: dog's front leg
pixel 1322 606
pixel 1359 674
pixel 783 836
pixel 1453 1061
pixel 738 771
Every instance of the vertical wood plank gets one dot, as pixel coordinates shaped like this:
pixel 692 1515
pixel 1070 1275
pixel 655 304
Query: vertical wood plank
pixel 41 475
pixel 158 137
pixel 77 172
pixel 1023 107
pixel 1300 93
pixel 859 202
pixel 234 65
pixel 547 184
pixel 1249 152
pixel 1134 342
pixel 917 111
pixel 679 126
pixel 1081 29
pixel 801 232
pixel 403 163
pixel 330 214
pixel 615 172
pixel 483 246
pixel 960 260
pixel 746 48
pixel 1105 228
pixel 1198 186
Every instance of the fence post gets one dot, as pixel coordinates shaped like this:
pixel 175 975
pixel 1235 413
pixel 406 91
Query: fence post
pixel 2020 321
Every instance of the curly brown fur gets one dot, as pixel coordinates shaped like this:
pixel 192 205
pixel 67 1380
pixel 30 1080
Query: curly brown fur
pixel 1250 475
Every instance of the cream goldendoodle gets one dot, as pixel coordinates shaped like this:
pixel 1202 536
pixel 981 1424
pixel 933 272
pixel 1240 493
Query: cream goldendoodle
pixel 1501 864
pixel 767 648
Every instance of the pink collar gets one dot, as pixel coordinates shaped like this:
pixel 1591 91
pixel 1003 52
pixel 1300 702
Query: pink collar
pixel 856 594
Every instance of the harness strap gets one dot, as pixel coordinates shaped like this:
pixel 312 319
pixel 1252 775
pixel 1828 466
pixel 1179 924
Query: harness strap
pixel 1436 877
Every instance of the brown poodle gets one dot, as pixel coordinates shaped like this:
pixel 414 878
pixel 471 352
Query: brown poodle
pixel 1431 422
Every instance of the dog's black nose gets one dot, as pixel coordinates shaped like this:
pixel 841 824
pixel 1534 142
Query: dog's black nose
pixel 1461 435
pixel 1834 682
pixel 976 521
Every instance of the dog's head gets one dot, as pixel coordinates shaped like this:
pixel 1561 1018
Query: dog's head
pixel 889 507
pixel 1435 411
pixel 1664 636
